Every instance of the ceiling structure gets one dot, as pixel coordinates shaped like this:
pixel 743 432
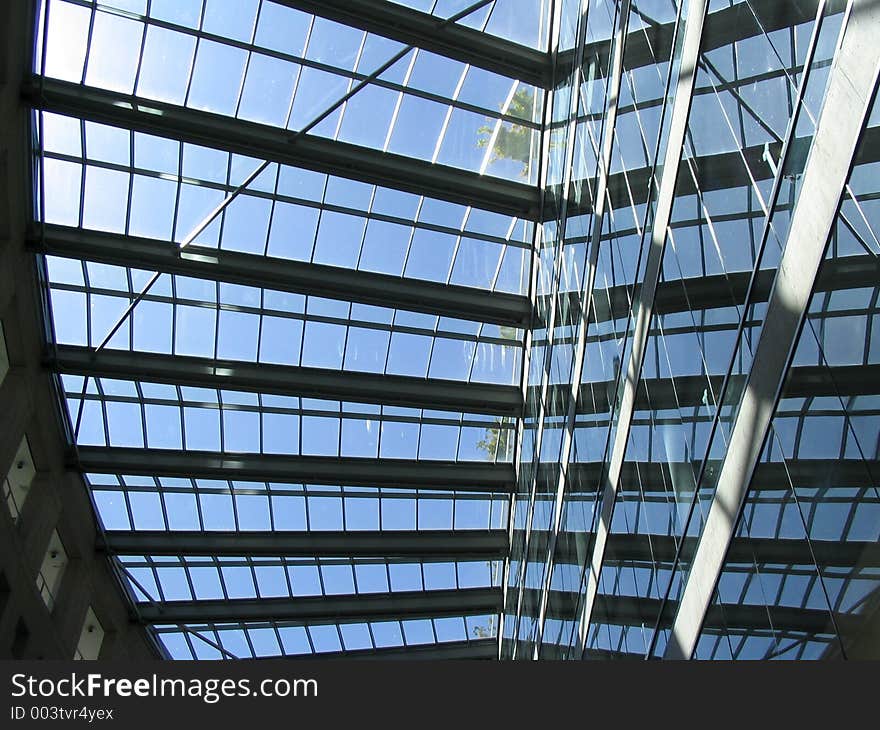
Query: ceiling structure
pixel 286 273
pixel 423 329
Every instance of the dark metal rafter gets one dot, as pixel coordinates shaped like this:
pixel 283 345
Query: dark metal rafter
pixel 329 609
pixel 420 544
pixel 657 476
pixel 473 649
pixel 413 27
pixel 632 611
pixel 282 146
pixel 284 275
pixel 725 290
pixel 690 390
pixel 289 380
pixel 404 473
pixel 743 550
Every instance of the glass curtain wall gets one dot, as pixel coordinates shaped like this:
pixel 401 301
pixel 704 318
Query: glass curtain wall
pixel 600 557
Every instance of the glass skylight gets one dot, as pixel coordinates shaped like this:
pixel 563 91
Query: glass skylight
pixel 126 502
pixel 265 63
pixel 252 640
pixel 520 21
pixel 152 187
pixel 137 414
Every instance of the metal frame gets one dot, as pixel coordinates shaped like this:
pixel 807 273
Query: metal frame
pixel 604 164
pixel 663 548
pixel 803 382
pixel 464 476
pixel 417 28
pixel 421 544
pixel 637 612
pixel 806 472
pixel 788 298
pixel 850 272
pixel 697 10
pixel 721 28
pixel 504 400
pixel 473 649
pixel 716 172
pixel 573 101
pixel 328 609
pixel 848 99
pixel 276 145
pixel 447 300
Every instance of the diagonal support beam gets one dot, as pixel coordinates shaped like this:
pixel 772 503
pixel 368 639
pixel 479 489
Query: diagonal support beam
pixel 277 145
pixel 848 101
pixel 504 400
pixel 284 275
pixel 404 473
pixel 413 27
pixel 638 331
pixel 419 544
pixel 328 609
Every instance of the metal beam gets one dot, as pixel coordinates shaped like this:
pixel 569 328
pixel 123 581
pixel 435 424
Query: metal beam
pixel 473 649
pixel 647 45
pixel 631 611
pixel 711 172
pixel 282 146
pixel 299 277
pixel 413 27
pixel 560 652
pixel 657 477
pixel 421 544
pixel 405 473
pixel 848 101
pixel 637 334
pixel 289 380
pixel 687 390
pixel 724 290
pixel 787 551
pixel 328 609
pixel 571 396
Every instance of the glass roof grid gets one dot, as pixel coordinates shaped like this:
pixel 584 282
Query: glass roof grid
pixel 480 255
pixel 227 59
pixel 239 640
pixel 493 227
pixel 489 358
pixel 196 507
pixel 150 413
pixel 508 19
pixel 195 578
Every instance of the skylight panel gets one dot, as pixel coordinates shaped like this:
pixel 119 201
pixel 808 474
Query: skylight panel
pixel 230 64
pixel 357 226
pixel 519 21
pixel 233 422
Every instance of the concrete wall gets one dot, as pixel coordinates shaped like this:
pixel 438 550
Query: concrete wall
pixel 57 499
